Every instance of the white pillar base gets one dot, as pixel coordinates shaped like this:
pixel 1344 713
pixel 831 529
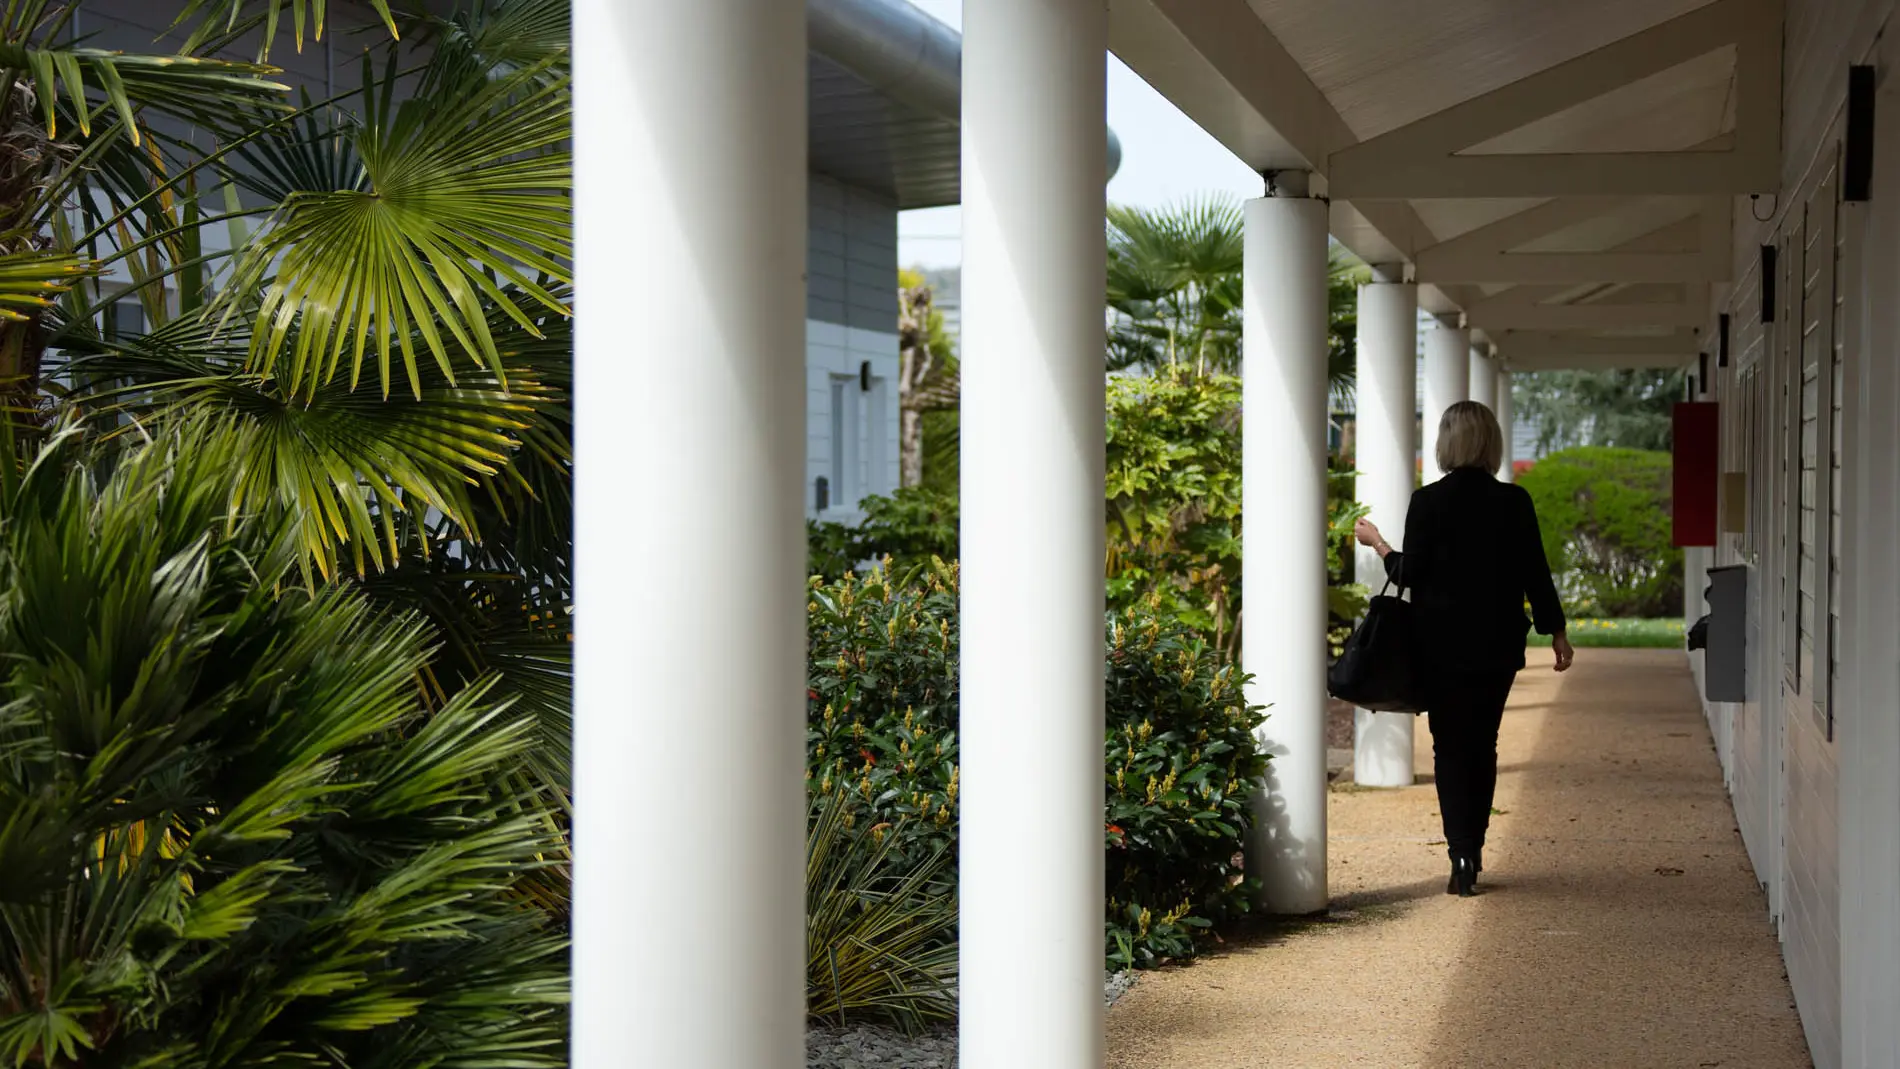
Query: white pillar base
pixel 1283 576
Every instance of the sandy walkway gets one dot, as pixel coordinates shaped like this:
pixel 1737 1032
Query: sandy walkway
pixel 1621 924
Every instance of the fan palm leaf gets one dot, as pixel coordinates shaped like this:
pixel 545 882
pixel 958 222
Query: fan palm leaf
pixel 232 833
pixel 461 194
pixel 346 462
pixel 484 42
pixel 95 81
pixel 215 19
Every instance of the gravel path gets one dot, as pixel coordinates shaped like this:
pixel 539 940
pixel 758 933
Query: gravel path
pixel 868 1047
pixel 1618 922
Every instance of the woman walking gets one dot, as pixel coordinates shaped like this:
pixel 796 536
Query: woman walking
pixel 1473 556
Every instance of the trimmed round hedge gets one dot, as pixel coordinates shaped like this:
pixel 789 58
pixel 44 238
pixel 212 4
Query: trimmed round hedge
pixel 1605 515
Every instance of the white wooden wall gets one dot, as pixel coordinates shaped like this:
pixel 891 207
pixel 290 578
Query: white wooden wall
pixel 1813 756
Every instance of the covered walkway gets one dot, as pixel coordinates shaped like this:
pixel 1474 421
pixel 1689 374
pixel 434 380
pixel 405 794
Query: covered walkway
pixel 1621 924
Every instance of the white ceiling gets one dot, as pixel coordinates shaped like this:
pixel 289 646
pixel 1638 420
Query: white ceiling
pixel 1287 83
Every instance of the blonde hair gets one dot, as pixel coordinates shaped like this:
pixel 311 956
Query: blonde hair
pixel 1469 437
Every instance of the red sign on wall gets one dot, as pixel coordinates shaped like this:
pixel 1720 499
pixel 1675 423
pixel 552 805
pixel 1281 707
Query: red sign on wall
pixel 1698 478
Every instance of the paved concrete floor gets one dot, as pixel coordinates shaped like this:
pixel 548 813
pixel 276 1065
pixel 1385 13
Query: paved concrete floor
pixel 1620 924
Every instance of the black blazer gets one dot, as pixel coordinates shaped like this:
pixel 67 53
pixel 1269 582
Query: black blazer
pixel 1473 555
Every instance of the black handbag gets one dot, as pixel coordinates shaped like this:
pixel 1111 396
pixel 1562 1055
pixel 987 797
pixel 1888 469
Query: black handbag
pixel 1378 668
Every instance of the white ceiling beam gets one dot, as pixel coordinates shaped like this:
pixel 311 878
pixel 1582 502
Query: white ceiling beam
pixel 1525 226
pixel 1484 255
pixel 1580 174
pixel 1593 362
pixel 1218 63
pixel 1601 316
pixel 1681 345
pixel 1548 268
pixel 1538 95
pixel 1420 160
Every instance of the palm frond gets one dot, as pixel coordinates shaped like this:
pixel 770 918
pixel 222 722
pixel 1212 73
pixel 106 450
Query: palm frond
pixel 347 463
pixel 31 281
pixel 91 80
pixel 215 19
pixel 230 831
pixel 461 194
pixel 487 41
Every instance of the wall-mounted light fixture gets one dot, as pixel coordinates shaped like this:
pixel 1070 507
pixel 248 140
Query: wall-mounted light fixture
pixel 1857 139
pixel 1702 359
pixel 864 376
pixel 823 491
pixel 1721 340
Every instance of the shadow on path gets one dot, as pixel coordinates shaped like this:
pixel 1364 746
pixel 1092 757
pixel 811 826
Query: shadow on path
pixel 1620 926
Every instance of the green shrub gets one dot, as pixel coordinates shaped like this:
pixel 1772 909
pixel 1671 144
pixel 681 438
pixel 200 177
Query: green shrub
pixel 911 526
pixel 1181 762
pixel 1605 515
pixel 1174 522
pixel 1179 749
pixel 234 833
pixel 1173 498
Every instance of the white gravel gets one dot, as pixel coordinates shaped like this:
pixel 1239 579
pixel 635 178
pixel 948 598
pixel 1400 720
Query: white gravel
pixel 869 1047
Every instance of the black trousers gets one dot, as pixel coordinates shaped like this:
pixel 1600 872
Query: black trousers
pixel 1465 715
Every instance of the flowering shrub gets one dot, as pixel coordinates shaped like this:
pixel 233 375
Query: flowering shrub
pixel 1181 762
pixel 1179 748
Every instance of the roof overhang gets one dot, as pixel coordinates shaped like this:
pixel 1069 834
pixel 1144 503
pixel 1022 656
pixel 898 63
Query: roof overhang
pixel 1568 173
pixel 886 89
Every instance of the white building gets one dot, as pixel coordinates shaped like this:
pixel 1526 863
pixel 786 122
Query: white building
pixel 1580 185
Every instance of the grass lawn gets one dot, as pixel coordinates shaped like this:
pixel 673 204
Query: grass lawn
pixel 1621 634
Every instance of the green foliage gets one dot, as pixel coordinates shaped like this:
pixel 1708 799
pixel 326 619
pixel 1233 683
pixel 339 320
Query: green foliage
pixel 1621 634
pixel 1346 597
pixel 1174 286
pixel 880 930
pixel 1174 292
pixel 1605 516
pixel 1173 490
pixel 943 438
pixel 1627 408
pixel 1174 495
pixel 235 834
pixel 448 496
pixel 1181 763
pixel 883 726
pixel 912 526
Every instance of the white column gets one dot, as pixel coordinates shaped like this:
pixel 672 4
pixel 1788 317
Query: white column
pixel 1387 422
pixel 1507 420
pixel 1283 574
pixel 1034 151
pixel 1484 377
pixel 1447 382
pixel 694 113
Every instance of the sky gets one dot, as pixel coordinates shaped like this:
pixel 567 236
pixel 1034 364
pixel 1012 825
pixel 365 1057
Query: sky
pixel 1166 159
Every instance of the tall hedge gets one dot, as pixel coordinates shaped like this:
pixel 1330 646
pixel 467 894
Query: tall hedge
pixel 1605 519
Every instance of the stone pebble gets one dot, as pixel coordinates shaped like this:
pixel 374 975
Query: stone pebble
pixel 871 1047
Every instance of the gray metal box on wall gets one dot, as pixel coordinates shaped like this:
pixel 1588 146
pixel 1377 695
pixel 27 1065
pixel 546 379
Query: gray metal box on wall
pixel 1725 662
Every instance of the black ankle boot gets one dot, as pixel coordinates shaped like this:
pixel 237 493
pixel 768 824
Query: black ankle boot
pixel 1464 878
